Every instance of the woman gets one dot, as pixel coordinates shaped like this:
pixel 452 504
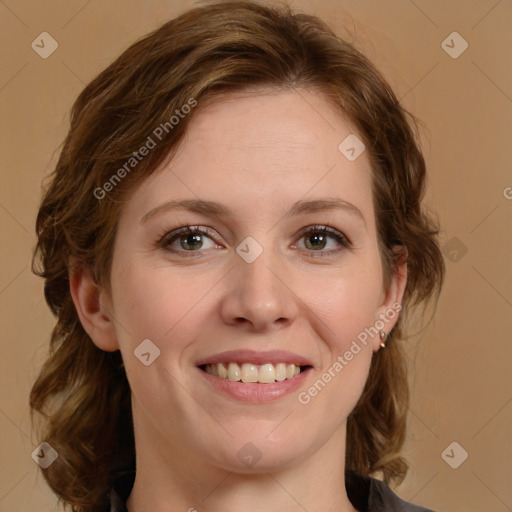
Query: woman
pixel 231 241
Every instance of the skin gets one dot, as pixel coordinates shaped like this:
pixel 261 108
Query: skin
pixel 257 154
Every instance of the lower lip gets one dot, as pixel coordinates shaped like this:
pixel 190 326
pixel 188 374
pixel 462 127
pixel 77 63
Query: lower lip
pixel 254 392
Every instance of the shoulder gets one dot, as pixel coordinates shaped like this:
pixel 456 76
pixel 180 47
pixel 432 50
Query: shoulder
pixel 368 494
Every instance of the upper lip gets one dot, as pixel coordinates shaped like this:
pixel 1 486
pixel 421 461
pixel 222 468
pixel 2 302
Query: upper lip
pixel 255 357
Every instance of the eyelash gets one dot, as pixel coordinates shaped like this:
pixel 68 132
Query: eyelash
pixel 170 237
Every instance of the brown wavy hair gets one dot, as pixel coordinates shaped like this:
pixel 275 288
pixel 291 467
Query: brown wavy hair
pixel 82 393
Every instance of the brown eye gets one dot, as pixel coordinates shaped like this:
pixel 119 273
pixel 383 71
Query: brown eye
pixel 316 239
pixel 188 239
pixel 192 241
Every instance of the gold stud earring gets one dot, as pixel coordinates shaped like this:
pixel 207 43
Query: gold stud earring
pixel 383 336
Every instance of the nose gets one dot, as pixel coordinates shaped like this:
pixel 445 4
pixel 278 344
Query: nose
pixel 259 295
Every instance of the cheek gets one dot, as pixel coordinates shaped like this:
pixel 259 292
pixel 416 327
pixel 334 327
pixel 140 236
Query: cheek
pixel 346 309
pixel 160 305
pixel 346 306
pixel 154 303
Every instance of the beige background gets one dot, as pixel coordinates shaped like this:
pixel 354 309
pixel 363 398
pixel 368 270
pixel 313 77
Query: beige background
pixel 461 386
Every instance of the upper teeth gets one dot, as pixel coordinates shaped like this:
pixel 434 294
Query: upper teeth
pixel 247 372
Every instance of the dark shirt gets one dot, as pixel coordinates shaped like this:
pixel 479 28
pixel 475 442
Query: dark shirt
pixel 366 494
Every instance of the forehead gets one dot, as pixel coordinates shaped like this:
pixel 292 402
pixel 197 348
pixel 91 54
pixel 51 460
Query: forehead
pixel 262 149
pixel 270 122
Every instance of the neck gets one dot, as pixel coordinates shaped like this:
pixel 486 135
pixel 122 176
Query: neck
pixel 171 477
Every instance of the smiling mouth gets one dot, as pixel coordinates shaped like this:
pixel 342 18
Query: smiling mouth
pixel 248 372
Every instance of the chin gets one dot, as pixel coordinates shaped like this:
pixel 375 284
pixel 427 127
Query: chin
pixel 256 452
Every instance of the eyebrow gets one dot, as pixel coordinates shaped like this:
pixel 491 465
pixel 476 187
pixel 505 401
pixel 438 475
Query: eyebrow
pixel 300 207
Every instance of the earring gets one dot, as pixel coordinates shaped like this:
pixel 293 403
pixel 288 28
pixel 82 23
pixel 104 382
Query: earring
pixel 383 336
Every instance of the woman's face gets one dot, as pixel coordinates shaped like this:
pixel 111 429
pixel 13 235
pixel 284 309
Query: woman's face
pixel 256 289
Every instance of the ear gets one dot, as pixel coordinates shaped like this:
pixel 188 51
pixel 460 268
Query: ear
pixel 389 309
pixel 90 303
